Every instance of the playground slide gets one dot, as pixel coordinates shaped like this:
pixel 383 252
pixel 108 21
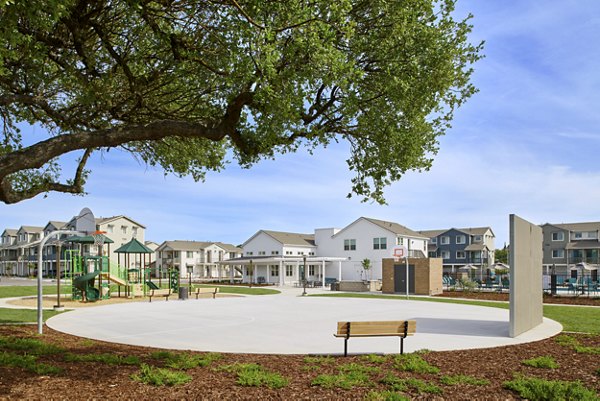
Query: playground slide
pixel 114 279
pixel 85 284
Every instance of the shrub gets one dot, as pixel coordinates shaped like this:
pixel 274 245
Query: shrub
pixel 386 396
pixel 545 362
pixel 30 346
pixel 27 362
pixel 566 340
pixel 160 377
pixel 581 349
pixel 349 376
pixel 535 389
pixel 421 386
pixel 251 374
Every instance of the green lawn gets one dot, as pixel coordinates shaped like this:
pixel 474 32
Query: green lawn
pixel 23 315
pixel 27 290
pixel 578 319
pixel 243 290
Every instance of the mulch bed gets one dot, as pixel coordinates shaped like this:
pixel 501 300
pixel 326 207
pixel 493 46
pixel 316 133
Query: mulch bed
pixel 497 296
pixel 87 380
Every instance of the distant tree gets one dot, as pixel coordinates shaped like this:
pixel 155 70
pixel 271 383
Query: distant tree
pixel 366 265
pixel 190 85
pixel 501 255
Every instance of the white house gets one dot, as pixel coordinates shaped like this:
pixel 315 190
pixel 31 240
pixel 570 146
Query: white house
pixel 279 257
pixel 196 258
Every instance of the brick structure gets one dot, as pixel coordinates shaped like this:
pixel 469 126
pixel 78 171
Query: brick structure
pixel 428 275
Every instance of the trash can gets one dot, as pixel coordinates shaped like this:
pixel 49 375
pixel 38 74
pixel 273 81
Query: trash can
pixel 183 293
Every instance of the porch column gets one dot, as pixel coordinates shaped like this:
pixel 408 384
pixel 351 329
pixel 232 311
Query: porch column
pixel 281 273
pixel 298 271
pixel 323 274
pixel 268 274
pixel 339 270
pixel 231 269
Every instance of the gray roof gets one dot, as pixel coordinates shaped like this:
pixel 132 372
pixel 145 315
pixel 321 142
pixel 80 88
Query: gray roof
pixel 57 224
pixel 589 244
pixel 475 247
pixel 179 245
pixel 10 231
pixel 470 231
pixel 292 238
pixel 104 220
pixel 395 228
pixel 32 229
pixel 585 226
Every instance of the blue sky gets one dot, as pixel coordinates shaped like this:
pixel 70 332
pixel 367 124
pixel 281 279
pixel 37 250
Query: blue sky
pixel 527 144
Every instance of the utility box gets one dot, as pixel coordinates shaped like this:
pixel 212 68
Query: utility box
pixel 424 276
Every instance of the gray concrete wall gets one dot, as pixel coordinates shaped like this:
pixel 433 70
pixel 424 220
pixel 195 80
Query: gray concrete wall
pixel 525 276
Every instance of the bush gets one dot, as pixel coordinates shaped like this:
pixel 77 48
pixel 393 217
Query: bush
pixel 160 377
pixel 535 389
pixel 251 374
pixel 185 361
pixel 463 379
pixel 545 362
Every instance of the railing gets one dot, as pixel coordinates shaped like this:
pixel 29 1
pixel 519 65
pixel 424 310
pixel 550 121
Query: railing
pixel 583 259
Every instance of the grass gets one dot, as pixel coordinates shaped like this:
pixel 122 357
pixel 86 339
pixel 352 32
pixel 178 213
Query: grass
pixel 350 375
pixel 27 362
pixel 572 318
pixel 420 386
pixel 319 360
pixel 535 389
pixel 182 361
pixel 463 379
pixel 254 375
pixel 160 377
pixel 372 358
pixel 386 396
pixel 568 341
pixel 29 346
pixel 109 359
pixel 243 290
pixel 543 362
pixel 10 291
pixel 413 363
pixel 10 316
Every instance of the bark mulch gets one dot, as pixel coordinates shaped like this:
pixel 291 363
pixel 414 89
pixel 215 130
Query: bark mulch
pixel 96 380
pixel 497 296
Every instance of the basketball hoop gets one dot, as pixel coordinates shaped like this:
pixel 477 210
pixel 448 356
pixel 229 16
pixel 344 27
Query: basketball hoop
pixel 98 238
pixel 399 253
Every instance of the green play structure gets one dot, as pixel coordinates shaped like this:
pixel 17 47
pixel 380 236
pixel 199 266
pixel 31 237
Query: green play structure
pixel 93 278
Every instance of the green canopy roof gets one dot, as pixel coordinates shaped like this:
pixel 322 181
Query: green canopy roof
pixel 134 246
pixel 88 239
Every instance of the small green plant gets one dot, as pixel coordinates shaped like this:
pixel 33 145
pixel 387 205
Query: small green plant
pixel 582 349
pixel 372 358
pixel 413 363
pixel 467 284
pixel 185 361
pixel 544 362
pixel 386 396
pixel 350 375
pixel 29 346
pixel 463 379
pixel 86 342
pixel 27 362
pixel 159 376
pixel 566 340
pixel 109 359
pixel 421 386
pixel 251 374
pixel 598 372
pixel 319 360
pixel 535 389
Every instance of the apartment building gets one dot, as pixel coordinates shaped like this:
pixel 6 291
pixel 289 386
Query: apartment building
pixel 569 248
pixel 461 246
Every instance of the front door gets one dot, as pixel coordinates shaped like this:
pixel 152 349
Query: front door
pixel 400 278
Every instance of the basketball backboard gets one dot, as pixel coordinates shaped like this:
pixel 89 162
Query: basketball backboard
pixel 85 222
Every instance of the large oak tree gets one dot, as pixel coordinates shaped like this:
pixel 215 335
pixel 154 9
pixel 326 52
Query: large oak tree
pixel 189 85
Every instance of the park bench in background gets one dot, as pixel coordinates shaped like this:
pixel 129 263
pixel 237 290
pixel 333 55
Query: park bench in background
pixel 206 290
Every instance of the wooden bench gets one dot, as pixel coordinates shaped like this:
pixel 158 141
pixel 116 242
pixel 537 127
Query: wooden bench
pixel 206 290
pixel 400 328
pixel 166 292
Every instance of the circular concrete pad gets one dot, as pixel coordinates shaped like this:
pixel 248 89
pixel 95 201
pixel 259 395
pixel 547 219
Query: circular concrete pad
pixel 292 325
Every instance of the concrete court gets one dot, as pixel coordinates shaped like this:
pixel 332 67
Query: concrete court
pixel 279 324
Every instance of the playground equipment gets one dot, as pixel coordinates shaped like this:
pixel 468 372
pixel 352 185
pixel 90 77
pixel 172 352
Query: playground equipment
pixel 85 286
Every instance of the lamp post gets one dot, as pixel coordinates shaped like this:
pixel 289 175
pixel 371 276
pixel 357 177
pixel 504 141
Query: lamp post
pixel 304 276
pixel 190 270
pixel 57 306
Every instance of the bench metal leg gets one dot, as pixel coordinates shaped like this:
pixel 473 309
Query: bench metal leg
pixel 345 347
pixel 401 345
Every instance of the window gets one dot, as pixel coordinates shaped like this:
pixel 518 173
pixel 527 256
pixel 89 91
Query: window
pixel 249 253
pixel 274 252
pixel 578 235
pixel 289 270
pixel 262 253
pixel 399 241
pixel 380 243
pixel 460 254
pixel 189 254
pixel 349 245
pixel 434 240
pixel 110 228
pixel 558 253
pixel 175 254
pixel 134 231
pixel 124 229
pixel 311 254
pixel 274 270
pixel 560 236
pixel 445 254
pixel 445 240
pixel 288 252
pixel 311 270
pixel 300 252
pixel 478 238
pixel 460 239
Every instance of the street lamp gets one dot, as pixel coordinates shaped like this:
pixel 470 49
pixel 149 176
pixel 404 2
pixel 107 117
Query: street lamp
pixel 304 276
pixel 190 270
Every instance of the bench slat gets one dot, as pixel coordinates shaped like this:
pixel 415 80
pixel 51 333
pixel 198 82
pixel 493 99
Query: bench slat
pixel 372 328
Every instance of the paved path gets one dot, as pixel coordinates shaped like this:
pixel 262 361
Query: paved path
pixel 290 324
